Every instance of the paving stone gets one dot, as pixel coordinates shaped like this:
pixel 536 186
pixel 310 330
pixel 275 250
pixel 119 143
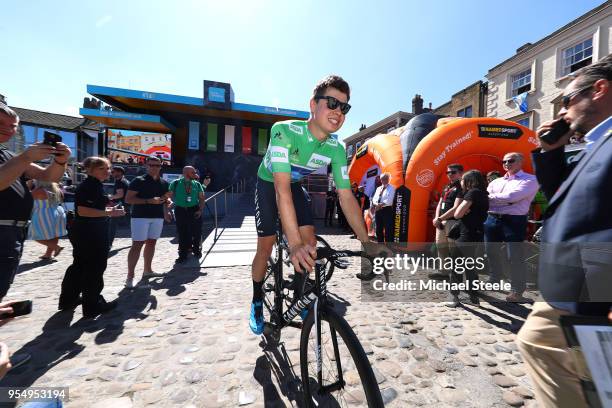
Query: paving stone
pixel 504 381
pixel 512 399
pixel 390 368
pixel 523 392
pixel 501 349
pixel 131 364
pixel 388 395
pixel 246 398
pixel 419 354
pixel 452 396
pixel 405 342
pixel 380 378
pixel 517 372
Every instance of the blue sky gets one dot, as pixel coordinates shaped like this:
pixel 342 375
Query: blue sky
pixel 272 52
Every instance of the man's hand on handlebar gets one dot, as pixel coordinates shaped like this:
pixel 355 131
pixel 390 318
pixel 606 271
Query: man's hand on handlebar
pixel 302 257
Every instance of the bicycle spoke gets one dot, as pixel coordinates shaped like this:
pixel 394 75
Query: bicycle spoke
pixel 352 393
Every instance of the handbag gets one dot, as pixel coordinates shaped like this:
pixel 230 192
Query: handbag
pixel 453 229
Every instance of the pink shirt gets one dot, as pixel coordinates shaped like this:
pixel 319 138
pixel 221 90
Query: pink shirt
pixel 512 194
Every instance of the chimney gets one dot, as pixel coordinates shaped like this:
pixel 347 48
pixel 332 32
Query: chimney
pixel 362 127
pixel 417 104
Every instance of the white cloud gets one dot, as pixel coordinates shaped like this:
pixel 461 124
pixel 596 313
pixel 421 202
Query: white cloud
pixel 102 21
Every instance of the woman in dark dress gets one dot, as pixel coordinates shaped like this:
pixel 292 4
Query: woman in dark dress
pixel 471 213
pixel 89 236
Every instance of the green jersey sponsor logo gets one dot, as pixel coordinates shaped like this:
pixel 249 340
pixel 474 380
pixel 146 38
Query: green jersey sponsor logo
pixel 332 141
pixel 344 172
pixel 296 129
pixel 317 161
pixel 278 154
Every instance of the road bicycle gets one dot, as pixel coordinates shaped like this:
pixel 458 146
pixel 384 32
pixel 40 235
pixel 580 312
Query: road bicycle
pixel 334 367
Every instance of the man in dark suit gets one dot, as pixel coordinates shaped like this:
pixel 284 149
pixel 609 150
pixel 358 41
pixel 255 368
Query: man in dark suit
pixel 575 273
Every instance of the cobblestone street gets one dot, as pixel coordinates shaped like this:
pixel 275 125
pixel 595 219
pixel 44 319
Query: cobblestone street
pixel 182 340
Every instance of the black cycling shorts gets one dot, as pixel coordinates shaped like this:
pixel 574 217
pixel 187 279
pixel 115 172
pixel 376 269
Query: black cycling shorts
pixel 266 211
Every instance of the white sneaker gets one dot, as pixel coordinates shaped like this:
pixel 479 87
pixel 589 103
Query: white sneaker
pixel 129 283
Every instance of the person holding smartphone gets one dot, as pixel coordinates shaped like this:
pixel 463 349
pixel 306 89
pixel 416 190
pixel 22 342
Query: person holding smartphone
pixel 574 274
pixel 90 241
pixel 16 199
pixel 148 196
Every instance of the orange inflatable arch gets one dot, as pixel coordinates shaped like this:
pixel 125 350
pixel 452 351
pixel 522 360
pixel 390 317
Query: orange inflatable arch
pixel 383 152
pixel 476 143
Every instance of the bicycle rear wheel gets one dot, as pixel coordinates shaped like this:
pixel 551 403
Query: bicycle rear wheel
pixel 340 351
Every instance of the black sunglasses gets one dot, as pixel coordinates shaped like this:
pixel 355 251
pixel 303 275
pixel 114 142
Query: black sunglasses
pixel 333 103
pixel 452 172
pixel 509 161
pixel 566 99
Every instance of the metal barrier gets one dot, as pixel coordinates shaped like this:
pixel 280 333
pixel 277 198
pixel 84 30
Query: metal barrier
pixel 236 188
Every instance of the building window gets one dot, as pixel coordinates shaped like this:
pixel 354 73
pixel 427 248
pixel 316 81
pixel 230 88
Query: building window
pixel 521 82
pixel 358 145
pixel 465 112
pixel 524 122
pixel 577 56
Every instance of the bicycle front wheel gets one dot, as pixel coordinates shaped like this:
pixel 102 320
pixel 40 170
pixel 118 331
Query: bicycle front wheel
pixel 347 377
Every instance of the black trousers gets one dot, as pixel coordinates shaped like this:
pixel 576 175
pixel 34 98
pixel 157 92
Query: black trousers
pixel 11 248
pixel 384 224
pixel 189 229
pixel 90 243
pixel 329 213
pixel 467 246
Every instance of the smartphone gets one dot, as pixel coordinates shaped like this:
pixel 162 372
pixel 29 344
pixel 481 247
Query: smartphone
pixel 19 309
pixel 559 129
pixel 51 139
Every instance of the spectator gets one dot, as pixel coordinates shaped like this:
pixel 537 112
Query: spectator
pixel 574 259
pixel 383 207
pixel 471 213
pixel 120 188
pixel 148 197
pixel 509 200
pixel 48 218
pixel 188 196
pixel 330 205
pixel 90 241
pixel 364 199
pixel 361 197
pixel 15 196
pixel 444 218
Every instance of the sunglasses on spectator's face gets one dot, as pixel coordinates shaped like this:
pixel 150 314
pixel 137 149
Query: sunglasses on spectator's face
pixel 452 172
pixel 509 161
pixel 333 103
pixel 154 165
pixel 566 99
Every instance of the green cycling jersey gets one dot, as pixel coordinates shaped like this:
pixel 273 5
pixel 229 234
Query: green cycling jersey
pixel 293 149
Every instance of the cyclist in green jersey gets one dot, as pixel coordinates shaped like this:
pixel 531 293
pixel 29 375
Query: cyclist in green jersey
pixel 296 149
